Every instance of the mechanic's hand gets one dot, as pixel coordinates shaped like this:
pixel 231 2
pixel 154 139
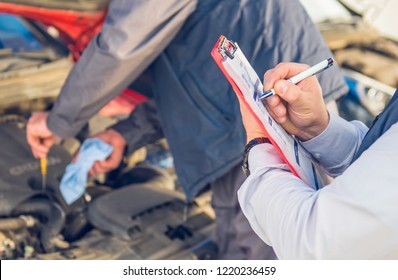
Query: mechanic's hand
pixel 39 137
pixel 116 140
pixel 253 130
pixel 300 108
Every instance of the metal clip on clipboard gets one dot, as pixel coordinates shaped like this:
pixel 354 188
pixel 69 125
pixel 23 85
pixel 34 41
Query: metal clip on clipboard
pixel 227 48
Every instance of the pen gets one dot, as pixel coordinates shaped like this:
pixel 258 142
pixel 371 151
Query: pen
pixel 43 169
pixel 317 68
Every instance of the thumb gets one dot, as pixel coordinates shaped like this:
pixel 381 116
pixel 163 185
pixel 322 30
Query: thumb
pixel 287 91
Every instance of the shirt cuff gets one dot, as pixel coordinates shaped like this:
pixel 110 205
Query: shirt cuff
pixel 334 147
pixel 265 156
pixel 61 128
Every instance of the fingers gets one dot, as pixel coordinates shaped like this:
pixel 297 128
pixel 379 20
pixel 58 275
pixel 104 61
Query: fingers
pixel 39 137
pixel 97 169
pixel 39 150
pixel 276 108
pixel 282 71
pixel 104 166
pixel 287 91
pixel 50 141
pixel 118 143
pixel 298 107
pixel 40 146
pixel 244 111
pixel 252 127
pixel 109 164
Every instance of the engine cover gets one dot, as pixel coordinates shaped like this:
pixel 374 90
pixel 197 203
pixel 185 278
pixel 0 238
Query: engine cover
pixel 20 176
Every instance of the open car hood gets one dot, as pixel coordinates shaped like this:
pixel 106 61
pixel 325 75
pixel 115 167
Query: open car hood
pixel 361 36
pixel 379 14
pixel 75 5
pixel 76 21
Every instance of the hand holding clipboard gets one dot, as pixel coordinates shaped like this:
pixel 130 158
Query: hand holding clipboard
pixel 249 88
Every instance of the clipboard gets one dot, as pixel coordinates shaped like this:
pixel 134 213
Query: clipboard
pixel 247 85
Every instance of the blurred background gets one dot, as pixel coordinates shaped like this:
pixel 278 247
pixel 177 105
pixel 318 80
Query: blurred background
pixel 138 211
pixel 363 39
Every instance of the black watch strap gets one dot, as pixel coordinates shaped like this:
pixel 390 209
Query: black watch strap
pixel 251 144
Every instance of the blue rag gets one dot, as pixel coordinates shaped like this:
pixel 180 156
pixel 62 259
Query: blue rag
pixel 74 181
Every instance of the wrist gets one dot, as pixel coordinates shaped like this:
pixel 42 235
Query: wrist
pixel 314 130
pixel 248 147
pixel 254 135
pixel 117 137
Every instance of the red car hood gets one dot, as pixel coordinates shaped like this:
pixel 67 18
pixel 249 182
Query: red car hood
pixel 76 21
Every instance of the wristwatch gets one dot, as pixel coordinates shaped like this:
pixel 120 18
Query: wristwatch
pixel 251 144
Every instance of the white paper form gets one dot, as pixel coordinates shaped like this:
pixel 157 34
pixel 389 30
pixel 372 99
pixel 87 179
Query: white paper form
pixel 247 80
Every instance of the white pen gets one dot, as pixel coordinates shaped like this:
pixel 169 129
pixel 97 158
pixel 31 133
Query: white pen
pixel 317 68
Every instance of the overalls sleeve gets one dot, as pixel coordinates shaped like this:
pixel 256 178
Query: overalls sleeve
pixel 133 35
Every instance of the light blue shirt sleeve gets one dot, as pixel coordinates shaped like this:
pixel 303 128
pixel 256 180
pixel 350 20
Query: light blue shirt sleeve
pixel 335 147
pixel 354 217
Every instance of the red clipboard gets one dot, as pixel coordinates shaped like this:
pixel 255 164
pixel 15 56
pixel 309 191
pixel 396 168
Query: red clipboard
pixel 246 84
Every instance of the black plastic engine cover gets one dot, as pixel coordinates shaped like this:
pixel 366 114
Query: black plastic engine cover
pixel 20 176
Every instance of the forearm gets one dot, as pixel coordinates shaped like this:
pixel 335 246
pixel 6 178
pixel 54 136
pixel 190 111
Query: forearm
pixel 142 127
pixel 128 43
pixel 340 221
pixel 266 200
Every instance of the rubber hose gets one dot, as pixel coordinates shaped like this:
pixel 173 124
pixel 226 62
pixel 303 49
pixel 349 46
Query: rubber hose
pixel 17 223
pixel 55 219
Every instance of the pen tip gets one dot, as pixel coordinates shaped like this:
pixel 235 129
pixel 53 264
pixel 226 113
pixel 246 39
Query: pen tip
pixel 330 61
pixel 267 94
